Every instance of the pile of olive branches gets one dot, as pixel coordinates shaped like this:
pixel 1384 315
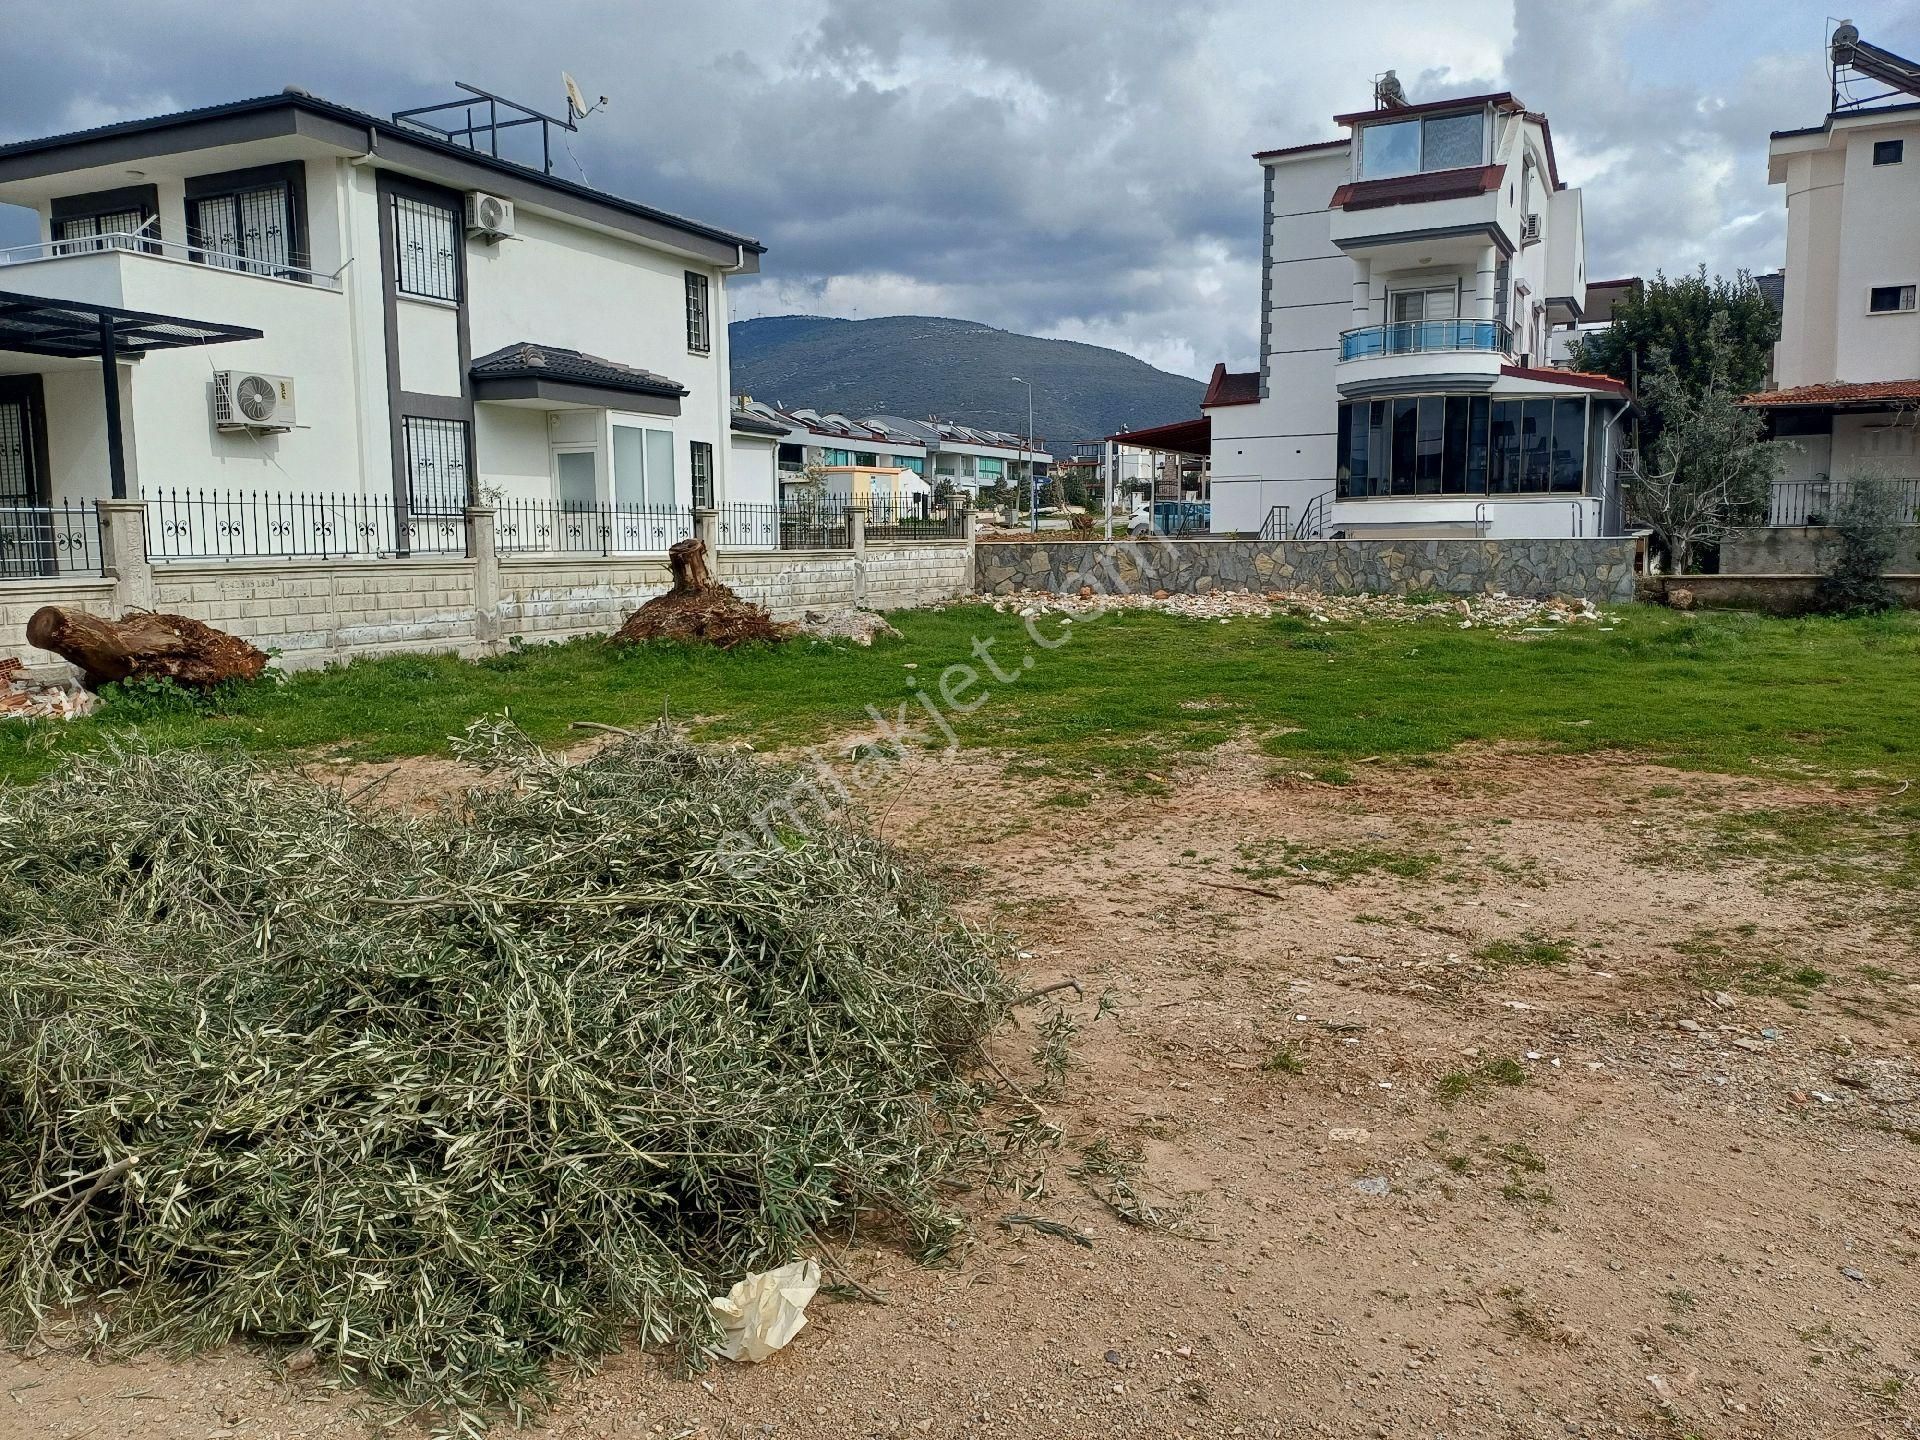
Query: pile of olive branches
pixel 445 1099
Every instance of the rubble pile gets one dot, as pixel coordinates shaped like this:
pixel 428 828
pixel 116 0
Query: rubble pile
pixel 25 699
pixel 1494 611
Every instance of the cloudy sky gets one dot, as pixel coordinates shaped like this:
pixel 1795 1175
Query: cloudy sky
pixel 1077 168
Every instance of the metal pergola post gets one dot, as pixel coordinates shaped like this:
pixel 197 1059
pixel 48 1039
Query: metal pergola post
pixel 110 390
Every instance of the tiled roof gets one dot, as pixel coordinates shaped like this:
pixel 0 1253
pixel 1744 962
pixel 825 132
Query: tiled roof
pixel 1866 392
pixel 1406 189
pixel 748 423
pixel 526 360
pixel 1231 388
pixel 1773 287
pixel 1582 379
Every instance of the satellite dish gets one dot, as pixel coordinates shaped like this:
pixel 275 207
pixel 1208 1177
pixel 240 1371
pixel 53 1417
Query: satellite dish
pixel 576 102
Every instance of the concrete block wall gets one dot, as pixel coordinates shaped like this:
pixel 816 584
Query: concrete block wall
pixel 310 612
pixel 20 598
pixel 1803 550
pixel 556 598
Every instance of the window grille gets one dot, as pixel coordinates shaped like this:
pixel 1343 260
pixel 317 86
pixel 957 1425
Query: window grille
pixel 426 239
pixel 436 465
pixel 701 468
pixel 699 329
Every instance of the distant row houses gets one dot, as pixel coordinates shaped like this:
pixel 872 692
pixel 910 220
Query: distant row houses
pixel 966 457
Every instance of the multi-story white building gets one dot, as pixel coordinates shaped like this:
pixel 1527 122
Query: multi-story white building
pixel 394 312
pixel 967 456
pixel 1847 365
pixel 1414 274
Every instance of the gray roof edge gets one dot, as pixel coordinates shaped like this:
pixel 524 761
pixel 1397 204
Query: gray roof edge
pixel 121 140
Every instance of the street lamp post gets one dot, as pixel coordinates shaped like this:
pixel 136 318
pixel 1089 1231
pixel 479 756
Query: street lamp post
pixel 1033 490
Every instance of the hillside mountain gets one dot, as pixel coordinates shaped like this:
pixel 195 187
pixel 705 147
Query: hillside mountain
pixel 921 365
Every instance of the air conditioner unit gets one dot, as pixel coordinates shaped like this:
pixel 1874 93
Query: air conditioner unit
pixel 1530 229
pixel 489 215
pixel 247 400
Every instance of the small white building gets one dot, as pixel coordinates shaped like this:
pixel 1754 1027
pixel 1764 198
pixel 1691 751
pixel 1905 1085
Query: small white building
pixel 1847 365
pixel 1415 272
pixel 395 314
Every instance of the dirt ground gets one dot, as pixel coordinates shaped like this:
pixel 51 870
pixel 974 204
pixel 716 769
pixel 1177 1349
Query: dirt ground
pixel 1498 1096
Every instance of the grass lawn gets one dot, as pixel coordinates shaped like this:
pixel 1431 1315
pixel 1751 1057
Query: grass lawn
pixel 1124 695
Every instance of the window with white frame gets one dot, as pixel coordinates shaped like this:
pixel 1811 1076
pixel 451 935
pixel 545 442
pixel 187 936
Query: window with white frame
pixel 642 467
pixel 426 249
pixel 1433 303
pixel 1890 299
pixel 699 322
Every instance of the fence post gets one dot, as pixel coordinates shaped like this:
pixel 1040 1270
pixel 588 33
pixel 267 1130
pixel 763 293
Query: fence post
pixel 484 552
pixel 969 532
pixel 706 529
pixel 857 543
pixel 123 554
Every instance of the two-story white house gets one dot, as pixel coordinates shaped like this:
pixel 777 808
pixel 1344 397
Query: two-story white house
pixel 1414 273
pixel 287 296
pixel 1847 365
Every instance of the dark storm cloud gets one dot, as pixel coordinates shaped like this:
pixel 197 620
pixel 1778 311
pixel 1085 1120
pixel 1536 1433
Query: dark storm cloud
pixel 1071 167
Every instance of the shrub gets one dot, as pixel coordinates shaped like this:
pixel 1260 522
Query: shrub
pixel 1867 522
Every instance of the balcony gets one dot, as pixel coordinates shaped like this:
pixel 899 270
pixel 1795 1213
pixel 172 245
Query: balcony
pixel 1425 337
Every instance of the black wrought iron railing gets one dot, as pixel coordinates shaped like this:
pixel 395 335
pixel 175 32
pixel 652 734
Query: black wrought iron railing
pixel 216 525
pixel 537 526
pixel 43 541
pixel 914 517
pixel 790 525
pixel 1820 502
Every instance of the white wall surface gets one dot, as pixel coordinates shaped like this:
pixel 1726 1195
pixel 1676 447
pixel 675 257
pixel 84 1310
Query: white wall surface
pixel 511 445
pixel 560 284
pixel 752 472
pixel 1880 218
pixel 429 342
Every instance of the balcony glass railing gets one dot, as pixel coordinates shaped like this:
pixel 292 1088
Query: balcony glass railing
pixel 1419 337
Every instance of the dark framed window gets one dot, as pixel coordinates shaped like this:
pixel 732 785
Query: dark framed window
pixel 700 467
pixel 699 319
pixel 1890 299
pixel 1889 152
pixel 252 220
pixel 436 456
pixel 1406 444
pixel 23 443
pixel 869 458
pixel 426 248
pixel 79 220
pixel 1430 447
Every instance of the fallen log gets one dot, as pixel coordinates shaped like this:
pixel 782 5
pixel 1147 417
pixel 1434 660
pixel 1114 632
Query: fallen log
pixel 144 645
pixel 698 609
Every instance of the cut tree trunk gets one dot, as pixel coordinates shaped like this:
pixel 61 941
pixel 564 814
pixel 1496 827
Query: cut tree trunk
pixel 698 609
pixel 144 645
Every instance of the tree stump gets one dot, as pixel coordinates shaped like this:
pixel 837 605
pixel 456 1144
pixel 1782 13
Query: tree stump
pixel 144 645
pixel 698 609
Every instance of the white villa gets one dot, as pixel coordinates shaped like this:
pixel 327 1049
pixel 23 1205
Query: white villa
pixel 1417 274
pixel 1848 361
pixel 284 296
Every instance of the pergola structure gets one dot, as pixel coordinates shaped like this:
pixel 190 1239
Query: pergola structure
pixel 69 330
pixel 1191 439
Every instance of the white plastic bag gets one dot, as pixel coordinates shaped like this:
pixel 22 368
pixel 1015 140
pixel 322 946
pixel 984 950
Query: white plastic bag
pixel 763 1312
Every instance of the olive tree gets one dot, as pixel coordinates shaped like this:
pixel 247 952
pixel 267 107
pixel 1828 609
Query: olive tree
pixel 1709 464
